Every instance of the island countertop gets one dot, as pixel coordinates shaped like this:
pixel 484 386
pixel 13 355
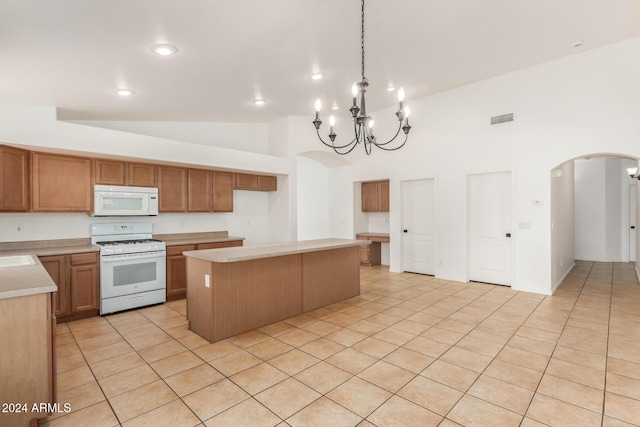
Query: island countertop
pixel 246 253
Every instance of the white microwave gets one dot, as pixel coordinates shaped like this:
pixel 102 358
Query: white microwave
pixel 112 200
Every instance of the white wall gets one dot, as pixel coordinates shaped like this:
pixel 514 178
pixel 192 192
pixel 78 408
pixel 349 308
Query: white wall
pixel 562 222
pixel 564 109
pixel 313 199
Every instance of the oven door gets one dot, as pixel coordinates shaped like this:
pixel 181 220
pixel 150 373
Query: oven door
pixel 128 274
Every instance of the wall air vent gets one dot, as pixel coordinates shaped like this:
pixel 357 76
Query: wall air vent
pixel 496 120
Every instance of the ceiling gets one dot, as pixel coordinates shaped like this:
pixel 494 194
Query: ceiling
pixel 72 54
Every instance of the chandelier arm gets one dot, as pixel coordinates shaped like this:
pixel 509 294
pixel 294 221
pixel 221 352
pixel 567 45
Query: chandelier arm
pixel 396 148
pixel 394 137
pixel 332 145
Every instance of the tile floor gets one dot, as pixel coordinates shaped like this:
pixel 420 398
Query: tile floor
pixel 411 350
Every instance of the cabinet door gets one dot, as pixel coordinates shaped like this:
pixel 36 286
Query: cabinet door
pixel 176 276
pixel 245 181
pixel 267 183
pixel 172 189
pixel 200 193
pixel 14 180
pixel 383 196
pixel 110 172
pixel 61 183
pixel 222 192
pixel 369 197
pixel 141 175
pixel 56 266
pixel 84 288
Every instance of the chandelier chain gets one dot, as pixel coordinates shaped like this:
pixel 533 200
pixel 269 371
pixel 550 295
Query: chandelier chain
pixel 362 41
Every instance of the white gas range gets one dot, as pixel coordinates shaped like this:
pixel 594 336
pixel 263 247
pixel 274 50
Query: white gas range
pixel 132 266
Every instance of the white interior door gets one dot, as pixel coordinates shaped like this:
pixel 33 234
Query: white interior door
pixel 418 210
pixel 490 228
pixel 633 196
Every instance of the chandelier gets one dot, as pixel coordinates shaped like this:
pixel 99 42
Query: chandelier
pixel 363 123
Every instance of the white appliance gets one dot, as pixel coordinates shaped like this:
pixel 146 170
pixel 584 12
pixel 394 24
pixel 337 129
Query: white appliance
pixel 132 266
pixel 113 200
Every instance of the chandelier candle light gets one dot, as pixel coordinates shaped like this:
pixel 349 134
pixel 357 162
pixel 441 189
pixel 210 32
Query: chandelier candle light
pixel 363 123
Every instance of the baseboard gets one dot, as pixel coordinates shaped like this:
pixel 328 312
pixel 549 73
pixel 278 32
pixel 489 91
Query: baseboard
pixel 559 282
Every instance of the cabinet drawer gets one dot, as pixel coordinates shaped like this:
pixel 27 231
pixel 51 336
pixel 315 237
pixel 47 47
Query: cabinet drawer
pixel 178 249
pixel 216 245
pixel 88 258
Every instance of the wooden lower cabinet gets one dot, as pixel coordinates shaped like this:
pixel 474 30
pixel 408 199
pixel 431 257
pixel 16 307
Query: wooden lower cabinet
pixel 27 353
pixel 78 280
pixel 177 266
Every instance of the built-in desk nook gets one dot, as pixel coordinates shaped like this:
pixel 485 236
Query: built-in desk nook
pixel 234 290
pixel 372 254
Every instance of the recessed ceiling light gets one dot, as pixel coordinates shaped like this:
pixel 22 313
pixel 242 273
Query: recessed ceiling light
pixel 335 107
pixel 576 44
pixel 318 76
pixel 259 101
pixel 163 49
pixel 391 89
pixel 124 92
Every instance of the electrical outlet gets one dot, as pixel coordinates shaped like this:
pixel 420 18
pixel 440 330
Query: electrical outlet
pixel 207 281
pixel 19 228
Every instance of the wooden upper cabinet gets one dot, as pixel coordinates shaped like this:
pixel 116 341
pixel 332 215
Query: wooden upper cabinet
pixel 61 183
pixel 375 196
pixel 222 192
pixel 267 183
pixel 110 172
pixel 199 189
pixel 172 189
pixel 14 180
pixel 246 181
pixel 141 175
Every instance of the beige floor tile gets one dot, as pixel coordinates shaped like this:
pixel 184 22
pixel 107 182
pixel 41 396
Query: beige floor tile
pixel 70 362
pixel 248 339
pixel 408 359
pixel 90 322
pixel 301 320
pixel 346 337
pixel 351 361
pixel 98 415
pixel 144 341
pixel 366 327
pixel 99 342
pixel 193 379
pixel 297 337
pixel 612 422
pixel 479 346
pixel 215 399
pixel 442 335
pixel 538 334
pixel 80 397
pixel 623 367
pixel 172 414
pixel 141 400
pixel 579 357
pixel 93 332
pixel 501 393
pixel 321 328
pixel 294 361
pixel 177 363
pixel 341 319
pixel 514 374
pixel 400 412
pixel 67 349
pixel 572 392
pixel 161 351
pixel 622 408
pixel 523 358
pixel 467 359
pixel 258 378
pixel 555 412
pixel 387 376
pixel 126 381
pixel 74 378
pixel 324 412
pixel 105 352
pixel 247 413
pixel 359 396
pixel 580 374
pixel 178 331
pixel 192 341
pixel 278 328
pixel 235 362
pixel 374 347
pixel 65 339
pixel 209 352
pixel 426 346
pixel 322 348
pixel 394 336
pixel 471 411
pixel 117 364
pixel 451 375
pixel 383 319
pixel 431 395
pixel 268 348
pixel 323 377
pixel 287 398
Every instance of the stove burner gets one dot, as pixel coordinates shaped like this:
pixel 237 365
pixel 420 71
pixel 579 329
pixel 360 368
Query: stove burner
pixel 128 242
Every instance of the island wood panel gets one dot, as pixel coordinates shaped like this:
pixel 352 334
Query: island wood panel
pixel 200 307
pixel 251 294
pixel 329 276
pixel 26 353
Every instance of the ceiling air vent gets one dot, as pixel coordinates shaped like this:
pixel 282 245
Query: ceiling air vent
pixel 496 120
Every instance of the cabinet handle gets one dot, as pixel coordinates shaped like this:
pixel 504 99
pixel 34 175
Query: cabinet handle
pixel 405 230
pixel 508 234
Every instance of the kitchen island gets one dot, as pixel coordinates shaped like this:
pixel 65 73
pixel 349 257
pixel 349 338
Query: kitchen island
pixel 234 290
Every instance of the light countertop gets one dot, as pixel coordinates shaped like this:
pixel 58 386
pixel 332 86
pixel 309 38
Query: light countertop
pixel 27 280
pixel 246 253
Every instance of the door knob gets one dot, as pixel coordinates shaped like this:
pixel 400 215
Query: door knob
pixel 633 227
pixel 508 234
pixel 405 230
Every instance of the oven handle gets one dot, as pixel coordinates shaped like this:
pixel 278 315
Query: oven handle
pixel 120 257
